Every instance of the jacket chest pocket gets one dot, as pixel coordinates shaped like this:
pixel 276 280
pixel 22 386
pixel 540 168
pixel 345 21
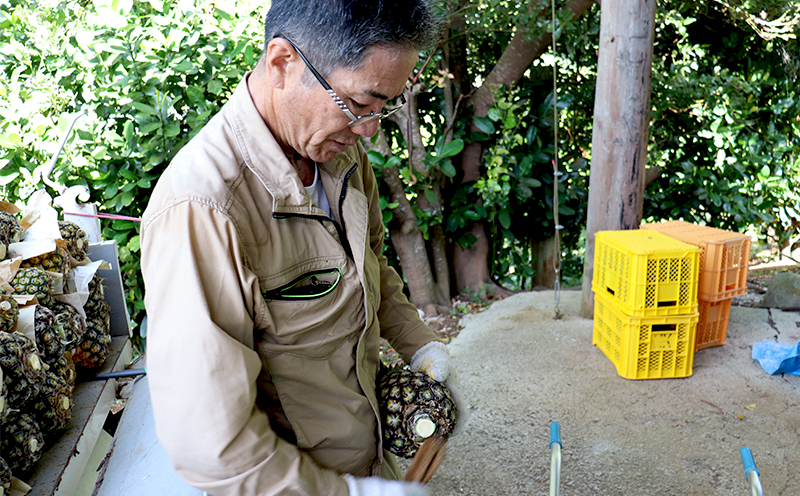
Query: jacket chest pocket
pixel 309 286
pixel 313 313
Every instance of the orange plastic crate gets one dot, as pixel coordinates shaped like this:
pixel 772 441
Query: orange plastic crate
pixel 644 347
pixel 646 273
pixel 713 324
pixel 723 262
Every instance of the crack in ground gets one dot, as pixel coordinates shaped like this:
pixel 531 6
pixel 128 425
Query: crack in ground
pixel 771 322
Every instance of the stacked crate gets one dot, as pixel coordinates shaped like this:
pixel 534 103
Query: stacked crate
pixel 723 274
pixel 645 317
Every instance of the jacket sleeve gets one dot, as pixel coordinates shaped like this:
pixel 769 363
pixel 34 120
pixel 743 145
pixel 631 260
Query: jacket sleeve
pixel 201 364
pixel 401 324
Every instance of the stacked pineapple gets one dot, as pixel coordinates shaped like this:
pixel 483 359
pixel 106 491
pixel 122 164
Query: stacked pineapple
pixel 38 375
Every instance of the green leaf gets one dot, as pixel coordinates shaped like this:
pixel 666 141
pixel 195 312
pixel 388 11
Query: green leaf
pixel 222 14
pixel 143 107
pixel 376 158
pixel 195 94
pixel 485 125
pixel 430 195
pixel 213 59
pixel 392 162
pixel 128 174
pixel 472 215
pixel 388 215
pixel 504 218
pixel 109 192
pixel 172 130
pixel 183 66
pixel 447 168
pixel 126 198
pixel 453 148
pixel 150 127
pixel 215 86
pixel 9 141
pixel 530 182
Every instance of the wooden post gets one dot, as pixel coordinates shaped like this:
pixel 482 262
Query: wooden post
pixel 620 129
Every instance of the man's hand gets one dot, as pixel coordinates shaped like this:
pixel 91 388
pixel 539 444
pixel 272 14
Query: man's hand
pixel 375 486
pixel 434 359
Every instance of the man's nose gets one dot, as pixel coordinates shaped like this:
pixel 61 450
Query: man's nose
pixel 368 129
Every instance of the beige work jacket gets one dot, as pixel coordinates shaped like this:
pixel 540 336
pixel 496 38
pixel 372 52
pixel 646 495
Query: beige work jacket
pixel 264 314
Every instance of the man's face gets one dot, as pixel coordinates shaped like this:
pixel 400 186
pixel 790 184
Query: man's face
pixel 314 125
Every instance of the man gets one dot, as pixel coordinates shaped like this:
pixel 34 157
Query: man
pixel 267 292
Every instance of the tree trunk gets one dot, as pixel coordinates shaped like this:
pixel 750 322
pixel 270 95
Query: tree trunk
pixel 545 253
pixel 620 128
pixel 471 264
pixel 409 243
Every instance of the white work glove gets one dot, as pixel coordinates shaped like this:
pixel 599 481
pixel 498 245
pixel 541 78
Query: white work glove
pixel 434 359
pixel 375 486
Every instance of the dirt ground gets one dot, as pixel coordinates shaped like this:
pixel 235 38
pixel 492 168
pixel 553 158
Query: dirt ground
pixel 521 369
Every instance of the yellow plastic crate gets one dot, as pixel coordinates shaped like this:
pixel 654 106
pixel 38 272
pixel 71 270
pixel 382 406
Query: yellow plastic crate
pixel 712 327
pixel 723 261
pixel 644 347
pixel 646 273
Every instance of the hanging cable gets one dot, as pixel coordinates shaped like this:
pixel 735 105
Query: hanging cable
pixel 556 175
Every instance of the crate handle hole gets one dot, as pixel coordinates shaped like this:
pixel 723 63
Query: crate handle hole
pixel 664 327
pixel 610 290
pixel 667 303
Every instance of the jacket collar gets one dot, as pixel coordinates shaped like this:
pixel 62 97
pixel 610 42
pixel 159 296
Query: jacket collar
pixel 264 157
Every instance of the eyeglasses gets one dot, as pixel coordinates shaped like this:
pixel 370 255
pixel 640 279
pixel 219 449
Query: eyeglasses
pixel 354 119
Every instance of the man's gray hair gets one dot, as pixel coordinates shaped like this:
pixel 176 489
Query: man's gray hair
pixel 336 34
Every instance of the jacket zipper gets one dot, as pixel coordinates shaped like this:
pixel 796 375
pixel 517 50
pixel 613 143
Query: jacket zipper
pixel 340 229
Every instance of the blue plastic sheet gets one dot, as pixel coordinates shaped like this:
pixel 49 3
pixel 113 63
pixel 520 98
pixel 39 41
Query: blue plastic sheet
pixel 777 358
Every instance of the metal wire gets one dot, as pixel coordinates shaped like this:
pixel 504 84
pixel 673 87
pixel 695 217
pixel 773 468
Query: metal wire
pixel 556 176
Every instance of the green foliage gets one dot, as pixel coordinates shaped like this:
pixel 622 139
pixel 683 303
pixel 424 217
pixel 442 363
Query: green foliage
pixel 726 126
pixel 148 74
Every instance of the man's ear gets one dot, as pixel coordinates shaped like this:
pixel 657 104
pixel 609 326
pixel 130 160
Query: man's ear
pixel 277 62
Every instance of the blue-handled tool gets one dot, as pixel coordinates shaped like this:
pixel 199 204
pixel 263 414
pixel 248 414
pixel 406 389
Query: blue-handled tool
pixel 555 458
pixel 751 472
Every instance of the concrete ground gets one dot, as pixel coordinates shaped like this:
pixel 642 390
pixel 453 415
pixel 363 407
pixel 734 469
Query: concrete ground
pixel 521 369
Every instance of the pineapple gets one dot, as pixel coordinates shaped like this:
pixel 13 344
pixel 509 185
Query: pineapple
pixel 5 478
pixel 72 325
pixel 49 332
pixel 413 407
pixel 54 261
pixel 93 350
pixel 22 370
pixel 9 312
pixel 34 281
pixel 10 231
pixel 64 368
pixel 3 402
pixel 76 239
pixel 96 304
pixel 52 407
pixel 21 442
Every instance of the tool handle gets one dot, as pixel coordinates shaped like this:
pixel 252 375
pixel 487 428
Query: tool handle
pixel 555 434
pixel 118 374
pixel 747 460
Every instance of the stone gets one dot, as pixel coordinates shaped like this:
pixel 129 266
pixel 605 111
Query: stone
pixel 783 291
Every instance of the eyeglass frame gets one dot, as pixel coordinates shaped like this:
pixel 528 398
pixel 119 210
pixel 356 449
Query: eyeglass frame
pixel 354 119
